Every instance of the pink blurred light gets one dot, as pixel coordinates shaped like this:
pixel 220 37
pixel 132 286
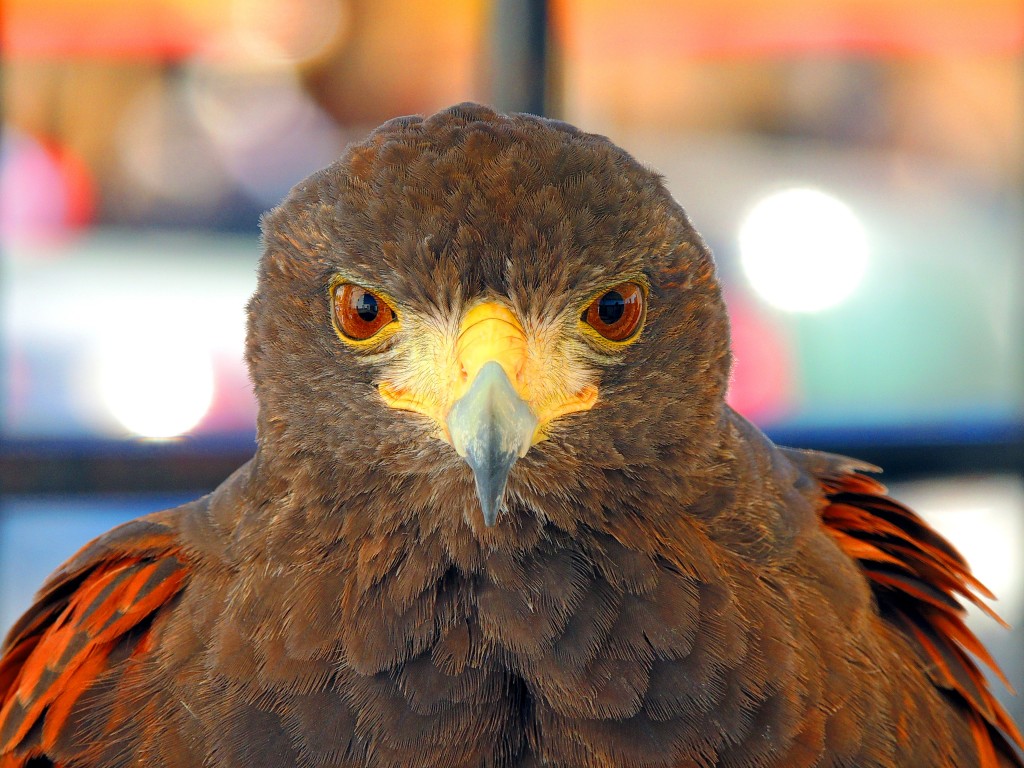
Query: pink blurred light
pixel 763 385
pixel 45 190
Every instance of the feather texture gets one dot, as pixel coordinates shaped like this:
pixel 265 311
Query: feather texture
pixel 104 603
pixel 919 581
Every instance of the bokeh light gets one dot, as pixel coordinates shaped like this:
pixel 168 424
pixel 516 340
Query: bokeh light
pixel 803 250
pixel 166 157
pixel 266 130
pixel 156 387
pixel 761 386
pixel 286 30
pixel 44 189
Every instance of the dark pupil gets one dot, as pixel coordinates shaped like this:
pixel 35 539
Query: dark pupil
pixel 611 307
pixel 366 307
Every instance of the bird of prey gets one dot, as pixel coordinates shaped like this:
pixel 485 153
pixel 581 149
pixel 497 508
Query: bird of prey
pixel 500 514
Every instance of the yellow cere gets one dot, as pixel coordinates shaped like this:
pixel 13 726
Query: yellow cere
pixel 489 332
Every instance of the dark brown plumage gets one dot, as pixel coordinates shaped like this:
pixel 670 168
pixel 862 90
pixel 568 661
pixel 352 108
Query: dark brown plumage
pixel 662 586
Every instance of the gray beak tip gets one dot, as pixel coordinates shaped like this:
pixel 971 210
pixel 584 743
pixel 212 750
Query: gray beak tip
pixel 490 507
pixel 490 474
pixel 491 427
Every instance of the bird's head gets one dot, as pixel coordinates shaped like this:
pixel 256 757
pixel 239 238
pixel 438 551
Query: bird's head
pixel 487 309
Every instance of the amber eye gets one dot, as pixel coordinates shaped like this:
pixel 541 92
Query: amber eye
pixel 360 313
pixel 616 314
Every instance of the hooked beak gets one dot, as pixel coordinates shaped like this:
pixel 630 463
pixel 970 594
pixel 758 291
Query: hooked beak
pixel 491 427
pixel 497 406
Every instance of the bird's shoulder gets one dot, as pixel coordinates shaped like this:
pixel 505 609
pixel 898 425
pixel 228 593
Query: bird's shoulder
pixel 919 582
pixel 102 605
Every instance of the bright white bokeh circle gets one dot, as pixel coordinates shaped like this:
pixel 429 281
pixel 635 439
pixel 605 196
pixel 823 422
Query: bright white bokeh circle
pixel 803 250
pixel 156 389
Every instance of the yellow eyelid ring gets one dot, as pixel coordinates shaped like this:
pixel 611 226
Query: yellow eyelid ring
pixel 616 314
pixel 362 317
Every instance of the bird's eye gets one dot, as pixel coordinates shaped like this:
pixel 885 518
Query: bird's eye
pixel 360 313
pixel 616 314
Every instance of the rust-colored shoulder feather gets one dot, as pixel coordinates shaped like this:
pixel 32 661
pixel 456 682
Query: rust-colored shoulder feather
pixel 104 600
pixel 918 580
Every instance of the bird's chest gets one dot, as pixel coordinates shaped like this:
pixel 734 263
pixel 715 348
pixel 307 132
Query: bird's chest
pixel 322 679
pixel 499 669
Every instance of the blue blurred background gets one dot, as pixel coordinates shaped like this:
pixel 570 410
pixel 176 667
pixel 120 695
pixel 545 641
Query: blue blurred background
pixel 141 139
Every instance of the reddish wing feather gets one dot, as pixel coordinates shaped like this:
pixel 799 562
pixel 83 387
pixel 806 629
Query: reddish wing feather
pixel 918 580
pixel 113 586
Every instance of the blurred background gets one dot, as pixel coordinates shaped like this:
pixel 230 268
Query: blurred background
pixel 857 166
